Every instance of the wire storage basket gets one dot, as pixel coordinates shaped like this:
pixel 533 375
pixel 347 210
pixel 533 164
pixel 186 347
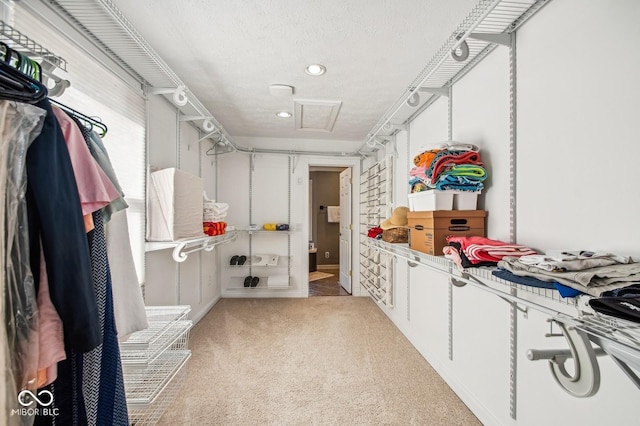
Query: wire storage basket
pixel 154 363
pixel 152 390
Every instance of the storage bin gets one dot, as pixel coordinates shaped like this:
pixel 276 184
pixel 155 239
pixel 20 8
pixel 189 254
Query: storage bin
pixel 428 230
pixel 175 205
pixel 465 200
pixel 430 200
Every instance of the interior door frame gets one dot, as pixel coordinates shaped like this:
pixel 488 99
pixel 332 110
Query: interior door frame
pixel 355 164
pixel 346 225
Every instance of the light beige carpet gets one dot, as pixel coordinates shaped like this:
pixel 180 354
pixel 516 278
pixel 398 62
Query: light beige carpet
pixel 317 275
pixel 309 361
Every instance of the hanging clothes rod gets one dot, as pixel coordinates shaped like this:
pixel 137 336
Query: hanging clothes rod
pixel 92 122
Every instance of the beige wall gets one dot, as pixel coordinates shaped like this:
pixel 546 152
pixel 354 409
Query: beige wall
pixel 326 192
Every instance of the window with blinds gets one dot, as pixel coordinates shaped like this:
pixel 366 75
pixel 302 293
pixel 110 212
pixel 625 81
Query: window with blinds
pixel 98 93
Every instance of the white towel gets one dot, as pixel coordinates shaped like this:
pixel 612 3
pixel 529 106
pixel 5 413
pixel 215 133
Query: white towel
pixel 128 304
pixel 333 214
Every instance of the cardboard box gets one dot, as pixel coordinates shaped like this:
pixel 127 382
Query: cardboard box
pixel 428 230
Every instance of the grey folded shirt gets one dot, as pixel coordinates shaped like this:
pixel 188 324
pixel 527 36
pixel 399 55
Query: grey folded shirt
pixel 592 281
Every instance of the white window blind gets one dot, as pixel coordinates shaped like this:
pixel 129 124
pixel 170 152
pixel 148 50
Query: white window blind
pixel 96 92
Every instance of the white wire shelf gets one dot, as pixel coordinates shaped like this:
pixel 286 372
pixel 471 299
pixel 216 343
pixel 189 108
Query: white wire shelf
pixel 16 40
pixel 185 246
pixel 143 387
pixel 489 17
pixel 174 337
pixel 264 231
pixel 161 319
pixel 574 311
pixel 107 27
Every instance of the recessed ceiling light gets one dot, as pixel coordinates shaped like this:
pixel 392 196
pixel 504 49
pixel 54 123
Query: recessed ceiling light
pixel 283 114
pixel 315 69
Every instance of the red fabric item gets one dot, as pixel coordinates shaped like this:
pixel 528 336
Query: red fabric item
pixel 374 232
pixel 441 164
pixel 214 228
pixel 481 249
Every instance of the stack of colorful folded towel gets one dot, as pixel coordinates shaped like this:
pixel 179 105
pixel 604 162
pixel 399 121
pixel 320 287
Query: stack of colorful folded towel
pixel 449 166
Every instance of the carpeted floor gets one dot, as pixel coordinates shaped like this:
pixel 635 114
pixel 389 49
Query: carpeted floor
pixel 309 361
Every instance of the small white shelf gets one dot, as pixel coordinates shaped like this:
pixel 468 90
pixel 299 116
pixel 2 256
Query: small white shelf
pixel 277 283
pixel 185 246
pixel 264 231
pixel 266 261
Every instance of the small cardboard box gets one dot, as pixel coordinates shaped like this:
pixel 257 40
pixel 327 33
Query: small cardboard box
pixel 428 230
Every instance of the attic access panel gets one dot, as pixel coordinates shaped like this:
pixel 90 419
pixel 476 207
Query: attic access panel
pixel 316 115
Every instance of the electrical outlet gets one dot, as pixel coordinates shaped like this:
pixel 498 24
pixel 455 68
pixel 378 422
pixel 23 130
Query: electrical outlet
pixel 326 254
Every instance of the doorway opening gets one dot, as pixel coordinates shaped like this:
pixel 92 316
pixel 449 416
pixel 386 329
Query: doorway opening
pixel 329 231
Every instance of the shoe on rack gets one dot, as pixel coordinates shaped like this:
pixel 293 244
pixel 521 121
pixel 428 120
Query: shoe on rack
pixel 254 281
pixel 241 260
pixel 247 281
pixel 234 260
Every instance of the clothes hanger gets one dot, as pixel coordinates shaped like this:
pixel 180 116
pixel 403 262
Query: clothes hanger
pixel 16 85
pixel 88 121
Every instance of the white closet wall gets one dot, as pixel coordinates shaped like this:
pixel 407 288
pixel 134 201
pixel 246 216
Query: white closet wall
pixel 173 143
pixel 577 128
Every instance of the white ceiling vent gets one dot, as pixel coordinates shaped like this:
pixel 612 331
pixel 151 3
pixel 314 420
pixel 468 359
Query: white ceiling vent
pixel 316 116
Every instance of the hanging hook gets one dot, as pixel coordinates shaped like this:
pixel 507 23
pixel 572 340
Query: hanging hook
pixel 464 51
pixel 179 94
pixel 585 380
pixel 414 100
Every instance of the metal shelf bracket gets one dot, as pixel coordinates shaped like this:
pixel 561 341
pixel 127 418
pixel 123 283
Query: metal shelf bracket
pixel 495 38
pixel 179 94
pixel 207 124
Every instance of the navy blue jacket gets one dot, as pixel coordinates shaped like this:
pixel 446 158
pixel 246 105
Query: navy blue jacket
pixel 55 216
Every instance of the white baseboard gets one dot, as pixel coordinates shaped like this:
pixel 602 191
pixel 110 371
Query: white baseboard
pixel 204 311
pixel 328 266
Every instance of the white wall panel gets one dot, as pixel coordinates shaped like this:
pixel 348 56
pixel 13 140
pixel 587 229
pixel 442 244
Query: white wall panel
pixel 481 116
pixel 429 313
pixel 542 401
pixel 430 127
pixel 162 275
pixel 189 149
pixel 189 282
pixel 481 347
pixel 578 127
pixel 162 133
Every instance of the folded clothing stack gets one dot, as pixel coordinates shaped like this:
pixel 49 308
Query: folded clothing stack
pixel 588 272
pixel 213 216
pixel 451 166
pixel 473 251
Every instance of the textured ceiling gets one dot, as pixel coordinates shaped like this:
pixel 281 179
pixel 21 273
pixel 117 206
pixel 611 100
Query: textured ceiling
pixel 229 52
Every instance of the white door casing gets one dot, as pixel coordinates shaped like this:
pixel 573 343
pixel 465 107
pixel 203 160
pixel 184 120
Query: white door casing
pixel 345 229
